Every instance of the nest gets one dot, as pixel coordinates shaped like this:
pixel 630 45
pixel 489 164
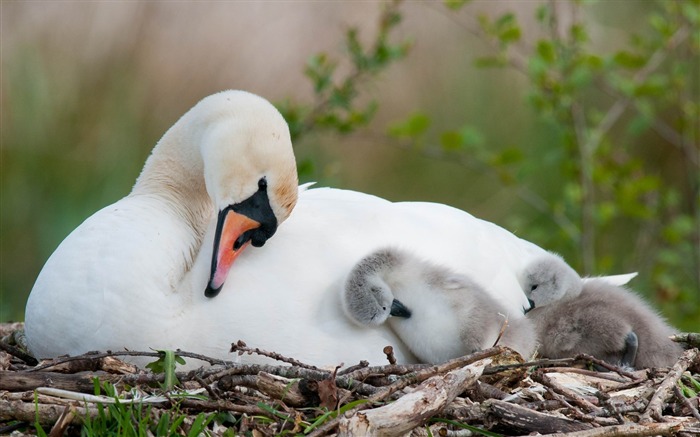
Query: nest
pixel 489 392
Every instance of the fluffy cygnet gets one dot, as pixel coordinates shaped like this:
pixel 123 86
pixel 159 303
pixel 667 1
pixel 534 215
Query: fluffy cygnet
pixel 439 314
pixel 594 316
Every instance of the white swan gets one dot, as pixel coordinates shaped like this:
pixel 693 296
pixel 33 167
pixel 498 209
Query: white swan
pixel 436 312
pixel 594 316
pixel 135 274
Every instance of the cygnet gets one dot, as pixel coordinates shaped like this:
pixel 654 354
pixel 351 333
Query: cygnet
pixel 594 316
pixel 438 313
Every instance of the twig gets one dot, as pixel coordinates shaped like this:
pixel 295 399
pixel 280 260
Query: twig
pixel 241 347
pixel 686 402
pixel 19 353
pixel 631 430
pixel 542 378
pixel 361 365
pixel 100 355
pixel 692 339
pixel 204 385
pixel 664 392
pixel 389 352
pixel 606 365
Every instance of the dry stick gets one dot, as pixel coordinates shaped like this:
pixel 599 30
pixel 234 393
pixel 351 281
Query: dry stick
pixel 222 405
pixel 545 362
pixel 686 402
pixel 504 325
pixel 19 353
pixel 100 355
pixel 361 365
pixel 240 346
pixel 206 386
pixel 601 375
pixel 664 392
pixel 630 430
pixel 575 411
pixel 542 378
pixel 692 339
pixel 524 419
pixel 59 428
pixel 390 369
pixel 389 352
pixel 46 414
pixel 216 373
pixel 611 367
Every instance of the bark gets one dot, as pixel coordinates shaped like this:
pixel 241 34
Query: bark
pixel 415 408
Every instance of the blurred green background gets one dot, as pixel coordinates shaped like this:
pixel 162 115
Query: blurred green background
pixel 573 124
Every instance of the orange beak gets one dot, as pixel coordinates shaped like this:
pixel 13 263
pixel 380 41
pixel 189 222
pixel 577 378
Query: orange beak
pixel 229 242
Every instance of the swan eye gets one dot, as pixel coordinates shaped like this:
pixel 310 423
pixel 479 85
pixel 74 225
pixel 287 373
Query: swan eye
pixel 262 184
pixel 534 287
pixel 384 308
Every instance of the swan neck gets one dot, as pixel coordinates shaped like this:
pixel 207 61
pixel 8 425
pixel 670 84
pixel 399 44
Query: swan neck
pixel 174 173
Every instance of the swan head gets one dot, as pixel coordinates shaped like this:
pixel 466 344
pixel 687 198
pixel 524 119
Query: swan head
pixel 549 278
pixel 249 173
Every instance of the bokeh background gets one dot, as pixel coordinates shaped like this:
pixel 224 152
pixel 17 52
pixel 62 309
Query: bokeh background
pixel 89 87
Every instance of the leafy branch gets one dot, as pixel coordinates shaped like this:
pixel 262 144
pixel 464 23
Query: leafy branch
pixel 336 95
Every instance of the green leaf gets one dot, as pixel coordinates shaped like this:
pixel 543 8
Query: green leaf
pixel 629 60
pixel 416 125
pixel 496 61
pixel 471 136
pixel 511 155
pixel 455 5
pixel 451 140
pixel 510 35
pixel 545 49
pixel 166 365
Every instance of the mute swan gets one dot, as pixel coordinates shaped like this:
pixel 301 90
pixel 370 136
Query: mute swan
pixel 143 272
pixel 438 313
pixel 594 316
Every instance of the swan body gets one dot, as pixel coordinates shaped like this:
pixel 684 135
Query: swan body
pixel 156 269
pixel 438 313
pixel 594 316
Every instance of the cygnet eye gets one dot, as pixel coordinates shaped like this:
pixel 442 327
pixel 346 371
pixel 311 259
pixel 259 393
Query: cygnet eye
pixel 384 308
pixel 534 287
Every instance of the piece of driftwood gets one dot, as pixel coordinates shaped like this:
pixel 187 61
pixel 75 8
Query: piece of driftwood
pixel 45 414
pixel 630 430
pixel 414 408
pixel 23 381
pixel 526 420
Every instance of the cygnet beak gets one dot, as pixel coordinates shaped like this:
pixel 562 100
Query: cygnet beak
pixel 532 305
pixel 399 310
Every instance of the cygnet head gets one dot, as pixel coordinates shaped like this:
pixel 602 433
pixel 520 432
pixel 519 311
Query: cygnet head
pixel 241 145
pixel 549 278
pixel 366 297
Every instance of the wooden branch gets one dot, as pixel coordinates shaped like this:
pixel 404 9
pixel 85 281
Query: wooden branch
pixel 415 408
pixel 286 390
pixel 630 430
pixel 24 381
pixel 692 339
pixel 527 421
pixel 241 348
pixel 579 400
pixel 665 390
pixel 19 353
pixel 46 414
